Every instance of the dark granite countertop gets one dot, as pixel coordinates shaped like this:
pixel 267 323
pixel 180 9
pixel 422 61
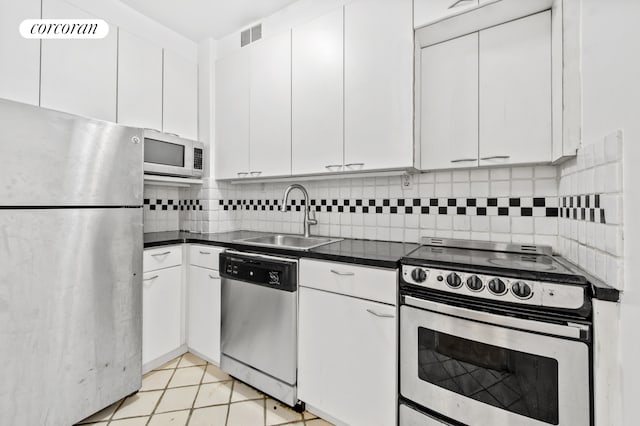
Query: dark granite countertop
pixel 599 289
pixel 382 254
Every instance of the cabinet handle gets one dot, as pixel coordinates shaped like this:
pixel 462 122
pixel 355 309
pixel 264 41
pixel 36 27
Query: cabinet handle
pixel 242 174
pixel 255 173
pixel 343 274
pixel 155 130
pixel 457 3
pixel 161 254
pixel 496 157
pixel 146 284
pixel 372 312
pixel 332 165
pixel 354 164
pixel 463 160
pixel 213 277
pixel 205 252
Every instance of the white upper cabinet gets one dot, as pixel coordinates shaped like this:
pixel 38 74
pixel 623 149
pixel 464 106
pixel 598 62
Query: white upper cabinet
pixel 317 95
pixel 180 96
pixel 449 104
pixel 378 72
pixel 139 82
pixel 429 11
pixel 270 106
pixel 515 92
pixel 232 116
pixel 20 64
pixel 79 76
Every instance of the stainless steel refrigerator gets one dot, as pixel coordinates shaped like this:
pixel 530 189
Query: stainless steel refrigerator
pixel 70 265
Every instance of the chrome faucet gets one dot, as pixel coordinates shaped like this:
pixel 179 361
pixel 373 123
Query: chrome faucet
pixel 309 215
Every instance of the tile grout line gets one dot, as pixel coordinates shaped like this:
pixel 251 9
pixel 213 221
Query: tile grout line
pixel 164 390
pixel 233 385
pixel 195 398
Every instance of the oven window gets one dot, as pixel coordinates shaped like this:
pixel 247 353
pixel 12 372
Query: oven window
pixel 514 381
pixel 160 152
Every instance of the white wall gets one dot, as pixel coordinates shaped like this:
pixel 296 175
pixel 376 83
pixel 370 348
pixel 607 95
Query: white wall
pixel 611 101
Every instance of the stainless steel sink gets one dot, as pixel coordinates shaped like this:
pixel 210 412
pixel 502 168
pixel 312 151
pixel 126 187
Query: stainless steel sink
pixel 291 242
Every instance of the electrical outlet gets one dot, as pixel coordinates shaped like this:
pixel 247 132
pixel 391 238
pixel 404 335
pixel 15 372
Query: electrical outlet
pixel 407 181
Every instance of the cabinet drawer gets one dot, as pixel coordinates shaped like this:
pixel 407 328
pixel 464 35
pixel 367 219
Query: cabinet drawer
pixel 162 257
pixel 205 256
pixel 352 280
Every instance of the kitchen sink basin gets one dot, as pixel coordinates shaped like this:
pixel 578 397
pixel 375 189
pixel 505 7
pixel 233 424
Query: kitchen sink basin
pixel 291 242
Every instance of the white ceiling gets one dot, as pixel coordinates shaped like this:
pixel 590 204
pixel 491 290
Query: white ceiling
pixel 200 19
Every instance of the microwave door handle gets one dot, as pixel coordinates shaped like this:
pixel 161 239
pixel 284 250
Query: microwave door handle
pixel 574 331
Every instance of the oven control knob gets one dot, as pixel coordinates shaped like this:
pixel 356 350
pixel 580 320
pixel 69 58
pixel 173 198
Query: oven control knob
pixel 475 283
pixel 521 290
pixel 497 287
pixel 454 280
pixel 419 275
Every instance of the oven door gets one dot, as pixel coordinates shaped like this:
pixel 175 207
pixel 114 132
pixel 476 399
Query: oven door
pixel 459 363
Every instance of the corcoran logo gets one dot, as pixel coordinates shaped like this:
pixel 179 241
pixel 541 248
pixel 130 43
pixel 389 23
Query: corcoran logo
pixel 64 28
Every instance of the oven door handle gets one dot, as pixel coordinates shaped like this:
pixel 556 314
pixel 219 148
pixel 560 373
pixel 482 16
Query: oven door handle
pixel 572 330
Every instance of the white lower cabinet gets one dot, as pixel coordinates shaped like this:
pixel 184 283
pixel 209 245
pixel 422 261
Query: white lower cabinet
pixel 203 314
pixel 161 313
pixel 180 303
pixel 347 357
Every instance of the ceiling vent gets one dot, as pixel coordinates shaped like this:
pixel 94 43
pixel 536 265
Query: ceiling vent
pixel 245 38
pixel 250 35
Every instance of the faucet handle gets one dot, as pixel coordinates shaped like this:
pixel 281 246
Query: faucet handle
pixel 311 216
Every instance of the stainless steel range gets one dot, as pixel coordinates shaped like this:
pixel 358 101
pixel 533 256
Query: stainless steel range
pixel 493 334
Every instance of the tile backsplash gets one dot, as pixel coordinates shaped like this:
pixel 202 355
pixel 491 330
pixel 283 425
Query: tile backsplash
pixel 509 204
pixel 161 208
pixel 576 207
pixel 591 222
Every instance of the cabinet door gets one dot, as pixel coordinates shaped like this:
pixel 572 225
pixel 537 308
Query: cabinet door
pixel 20 64
pixel 378 84
pixel 180 100
pixel 449 104
pixel 232 116
pixel 203 319
pixel 79 76
pixel 515 91
pixel 161 312
pixel 270 106
pixel 347 357
pixel 317 95
pixel 429 11
pixel 139 82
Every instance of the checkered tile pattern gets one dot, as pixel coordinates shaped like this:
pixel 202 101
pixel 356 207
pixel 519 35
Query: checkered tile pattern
pixel 160 204
pixel 525 206
pixel 583 207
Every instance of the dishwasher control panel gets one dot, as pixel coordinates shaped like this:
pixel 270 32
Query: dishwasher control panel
pixel 266 271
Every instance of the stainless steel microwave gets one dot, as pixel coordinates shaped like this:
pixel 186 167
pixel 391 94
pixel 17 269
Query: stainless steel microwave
pixel 170 155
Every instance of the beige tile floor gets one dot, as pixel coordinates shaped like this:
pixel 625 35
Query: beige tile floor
pixel 190 391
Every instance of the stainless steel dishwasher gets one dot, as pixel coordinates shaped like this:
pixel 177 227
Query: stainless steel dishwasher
pixel 259 337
